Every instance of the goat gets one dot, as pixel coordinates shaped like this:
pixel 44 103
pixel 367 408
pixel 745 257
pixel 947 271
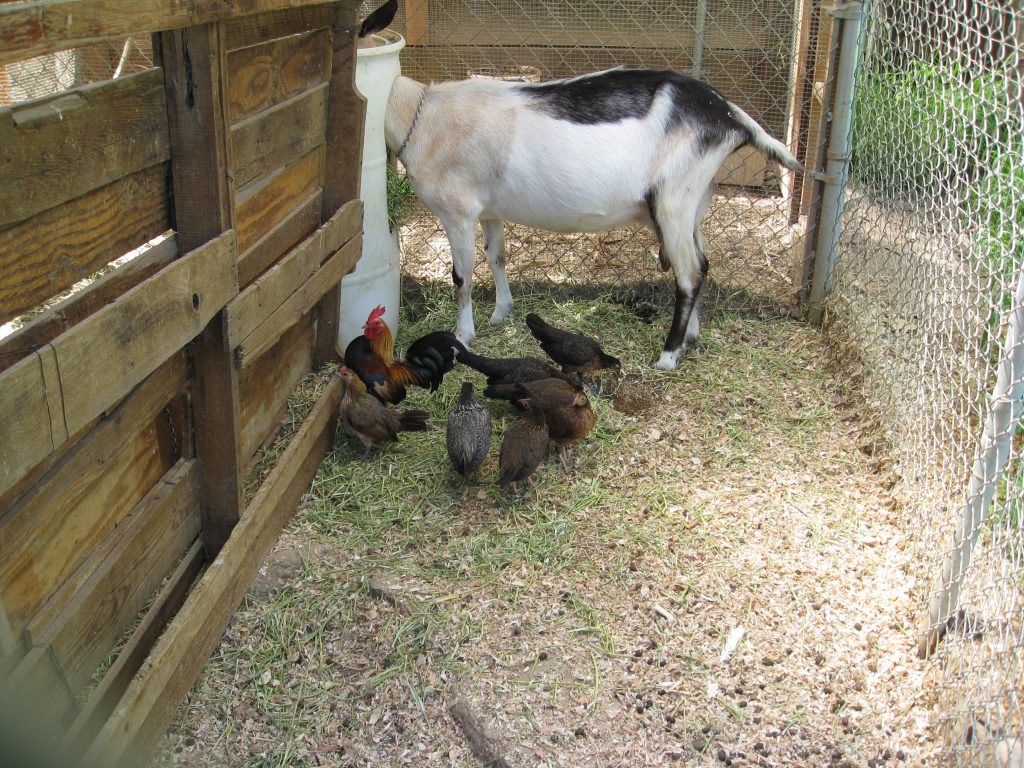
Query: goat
pixel 582 154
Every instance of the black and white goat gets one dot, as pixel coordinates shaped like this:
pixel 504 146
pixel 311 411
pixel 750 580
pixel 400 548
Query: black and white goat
pixel 578 155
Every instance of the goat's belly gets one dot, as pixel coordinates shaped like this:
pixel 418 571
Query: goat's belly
pixel 564 211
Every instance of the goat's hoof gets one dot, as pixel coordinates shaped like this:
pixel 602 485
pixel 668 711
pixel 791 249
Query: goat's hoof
pixel 464 337
pixel 667 361
pixel 500 315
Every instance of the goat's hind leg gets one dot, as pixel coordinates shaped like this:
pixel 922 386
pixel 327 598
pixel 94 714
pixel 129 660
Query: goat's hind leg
pixel 494 246
pixel 462 239
pixel 677 226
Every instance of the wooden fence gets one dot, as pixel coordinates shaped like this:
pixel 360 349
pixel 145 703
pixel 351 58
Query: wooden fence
pixel 131 411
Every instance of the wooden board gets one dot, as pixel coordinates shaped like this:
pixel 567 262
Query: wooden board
pixel 107 354
pixel 33 28
pixel 264 387
pixel 278 136
pixel 261 206
pixel 42 546
pixel 149 543
pixel 60 317
pixel 242 31
pixel 130 658
pixel 148 706
pixel 67 486
pixel 260 76
pixel 302 219
pixel 59 147
pixel 45 704
pixel 48 253
pixel 325 279
pixel 255 304
pixel 27 437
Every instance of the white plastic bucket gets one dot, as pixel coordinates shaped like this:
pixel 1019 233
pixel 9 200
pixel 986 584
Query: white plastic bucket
pixel 375 280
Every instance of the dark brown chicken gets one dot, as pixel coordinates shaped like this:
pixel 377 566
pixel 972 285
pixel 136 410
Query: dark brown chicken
pixel 508 370
pixel 469 433
pixel 369 419
pixel 573 351
pixel 565 406
pixel 523 446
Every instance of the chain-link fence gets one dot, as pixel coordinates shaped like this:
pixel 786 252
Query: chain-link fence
pixel 926 301
pixel 748 50
pixel 55 72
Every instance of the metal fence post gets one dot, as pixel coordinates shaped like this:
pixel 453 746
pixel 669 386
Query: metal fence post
pixel 837 169
pixel 986 472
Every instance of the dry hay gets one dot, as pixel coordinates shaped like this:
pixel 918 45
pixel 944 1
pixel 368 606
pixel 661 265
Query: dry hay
pixel 583 622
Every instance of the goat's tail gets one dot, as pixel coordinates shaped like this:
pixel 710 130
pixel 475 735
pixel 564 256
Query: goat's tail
pixel 765 142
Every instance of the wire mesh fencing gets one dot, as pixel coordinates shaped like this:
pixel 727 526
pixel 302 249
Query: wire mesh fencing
pixel 747 50
pixel 926 302
pixel 55 72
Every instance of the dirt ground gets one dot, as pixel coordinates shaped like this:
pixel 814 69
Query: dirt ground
pixel 718 576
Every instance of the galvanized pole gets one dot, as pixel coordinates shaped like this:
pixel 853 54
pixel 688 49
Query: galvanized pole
pixel 988 469
pixel 837 168
pixel 699 26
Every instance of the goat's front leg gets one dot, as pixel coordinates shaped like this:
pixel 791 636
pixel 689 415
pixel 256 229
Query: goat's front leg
pixel 462 238
pixel 494 246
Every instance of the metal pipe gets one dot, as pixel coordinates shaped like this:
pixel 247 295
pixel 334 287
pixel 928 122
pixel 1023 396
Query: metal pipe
pixel 988 469
pixel 698 39
pixel 837 169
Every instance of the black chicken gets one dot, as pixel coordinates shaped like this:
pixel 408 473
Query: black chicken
pixel 509 370
pixel 573 351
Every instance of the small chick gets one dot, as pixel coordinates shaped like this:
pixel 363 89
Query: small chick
pixel 523 446
pixel 469 433
pixel 369 419
pixel 573 351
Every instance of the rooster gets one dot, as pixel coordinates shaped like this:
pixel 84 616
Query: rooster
pixel 372 358
pixel 469 433
pixel 369 419
pixel 573 351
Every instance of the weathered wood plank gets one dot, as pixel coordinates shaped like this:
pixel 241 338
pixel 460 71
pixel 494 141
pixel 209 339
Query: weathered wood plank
pixel 45 703
pixel 27 437
pixel 201 155
pixel 265 74
pixel 42 547
pixel 33 28
pixel 278 136
pixel 245 31
pixel 130 658
pixel 59 147
pixel 58 318
pixel 254 304
pixel 417 22
pixel 80 485
pixel 146 709
pixel 153 539
pixel 107 354
pixel 260 255
pixel 201 152
pixel 300 302
pixel 261 206
pixel 51 391
pixel 265 385
pixel 51 251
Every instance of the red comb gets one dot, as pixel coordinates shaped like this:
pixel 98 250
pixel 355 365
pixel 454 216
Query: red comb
pixel 376 312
